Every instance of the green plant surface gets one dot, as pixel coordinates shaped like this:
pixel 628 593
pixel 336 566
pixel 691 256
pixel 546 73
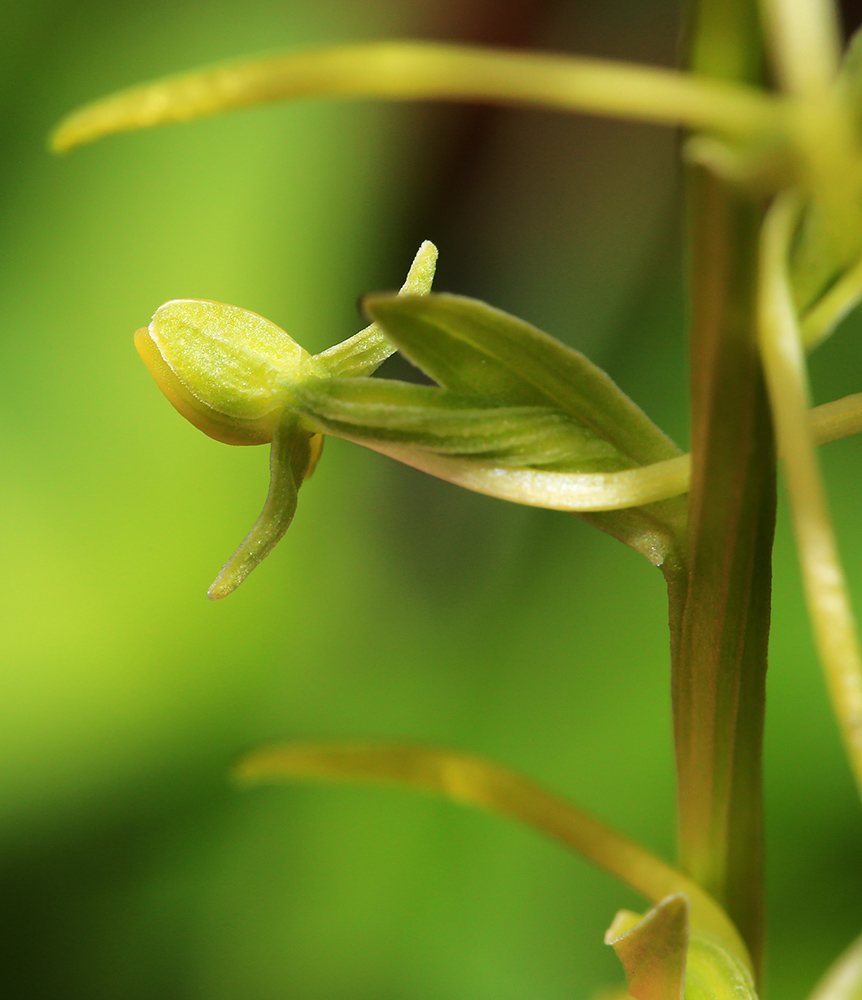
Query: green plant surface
pixel 397 606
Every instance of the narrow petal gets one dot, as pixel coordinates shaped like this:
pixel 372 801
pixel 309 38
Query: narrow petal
pixel 293 456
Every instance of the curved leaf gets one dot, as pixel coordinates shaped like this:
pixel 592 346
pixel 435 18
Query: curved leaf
pixel 474 781
pixel 430 70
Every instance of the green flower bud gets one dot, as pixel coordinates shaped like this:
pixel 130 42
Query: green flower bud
pixel 224 369
pixel 236 376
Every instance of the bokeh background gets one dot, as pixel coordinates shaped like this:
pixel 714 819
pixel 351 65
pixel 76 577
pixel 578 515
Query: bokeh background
pixel 397 605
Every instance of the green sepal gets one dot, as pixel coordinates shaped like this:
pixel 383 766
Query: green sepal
pixel 666 959
pixel 432 419
pixel 473 349
pixel 653 949
pixel 294 454
pixel 365 352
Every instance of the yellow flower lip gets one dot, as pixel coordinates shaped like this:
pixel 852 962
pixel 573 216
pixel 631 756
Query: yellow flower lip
pixel 225 369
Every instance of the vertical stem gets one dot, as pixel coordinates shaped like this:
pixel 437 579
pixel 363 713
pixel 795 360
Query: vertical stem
pixel 720 654
pixel 787 377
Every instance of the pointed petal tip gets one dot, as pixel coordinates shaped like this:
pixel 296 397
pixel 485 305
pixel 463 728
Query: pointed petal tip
pixel 221 587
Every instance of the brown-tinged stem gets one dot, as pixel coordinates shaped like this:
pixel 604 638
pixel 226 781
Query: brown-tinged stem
pixel 723 606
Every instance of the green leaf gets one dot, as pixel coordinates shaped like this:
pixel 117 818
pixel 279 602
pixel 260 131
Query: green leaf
pixel 478 782
pixel 514 453
pixel 292 459
pixel 432 419
pixel 473 349
pixel 428 70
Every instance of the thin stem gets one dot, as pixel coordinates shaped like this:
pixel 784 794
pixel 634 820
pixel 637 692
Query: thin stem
pixel 430 71
pixel 826 592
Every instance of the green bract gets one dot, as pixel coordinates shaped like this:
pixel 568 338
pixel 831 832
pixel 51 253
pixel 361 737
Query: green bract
pixel 665 958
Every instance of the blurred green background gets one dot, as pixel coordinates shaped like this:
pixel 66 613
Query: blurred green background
pixel 397 605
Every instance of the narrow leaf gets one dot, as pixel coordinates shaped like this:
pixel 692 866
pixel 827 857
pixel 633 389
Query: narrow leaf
pixel 574 492
pixel 428 70
pixel 431 419
pixel 478 782
pixel 473 349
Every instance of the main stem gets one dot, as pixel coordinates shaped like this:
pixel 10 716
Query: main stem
pixel 720 601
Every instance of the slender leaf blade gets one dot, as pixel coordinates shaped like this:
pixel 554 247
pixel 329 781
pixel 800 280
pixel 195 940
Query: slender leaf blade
pixel 478 782
pixel 399 70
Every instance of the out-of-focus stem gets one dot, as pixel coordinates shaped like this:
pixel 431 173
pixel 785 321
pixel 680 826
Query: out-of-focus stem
pixel 826 592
